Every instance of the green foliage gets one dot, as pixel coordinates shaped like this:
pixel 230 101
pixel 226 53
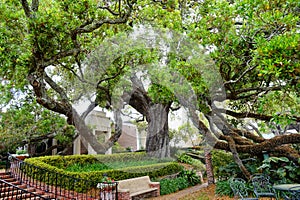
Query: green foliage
pixel 184 179
pixel 187 133
pixel 65 161
pixel 107 179
pixel 190 176
pixel 161 94
pixel 168 186
pixel 111 165
pixel 87 167
pixel 285 106
pixel 117 148
pixel 280 170
pixel 14 50
pixel 165 15
pixel 49 30
pixel 89 179
pixel 225 167
pixel 2 164
pixel 21 151
pixel 265 41
pixel 184 158
pixel 223 188
pixel 220 159
pixel 255 49
pixel 23 123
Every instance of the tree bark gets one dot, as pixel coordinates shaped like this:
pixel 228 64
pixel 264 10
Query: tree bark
pixel 209 167
pixel 86 135
pixel 157 143
pixel 236 158
pixel 276 145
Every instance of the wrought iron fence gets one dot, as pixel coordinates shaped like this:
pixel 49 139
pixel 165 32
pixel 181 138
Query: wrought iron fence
pixel 60 185
pixel 10 191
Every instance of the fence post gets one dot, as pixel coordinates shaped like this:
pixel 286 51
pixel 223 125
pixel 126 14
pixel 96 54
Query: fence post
pixel 116 191
pixel 55 185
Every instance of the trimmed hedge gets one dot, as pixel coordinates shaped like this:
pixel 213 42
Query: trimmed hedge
pixel 64 161
pixel 86 180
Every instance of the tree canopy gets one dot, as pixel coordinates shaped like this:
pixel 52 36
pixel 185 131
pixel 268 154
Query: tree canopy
pixel 30 124
pixel 239 58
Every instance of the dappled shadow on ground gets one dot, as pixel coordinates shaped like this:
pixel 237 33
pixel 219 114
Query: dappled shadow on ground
pixel 198 192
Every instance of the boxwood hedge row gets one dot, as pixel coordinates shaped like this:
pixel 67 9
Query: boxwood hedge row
pixel 50 169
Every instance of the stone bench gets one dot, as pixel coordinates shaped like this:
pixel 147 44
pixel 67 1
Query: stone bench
pixel 137 188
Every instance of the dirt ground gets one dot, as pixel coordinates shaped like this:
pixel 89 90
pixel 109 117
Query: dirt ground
pixel 198 192
pixel 207 193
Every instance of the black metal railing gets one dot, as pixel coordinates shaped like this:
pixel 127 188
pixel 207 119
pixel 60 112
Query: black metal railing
pixel 10 191
pixel 60 185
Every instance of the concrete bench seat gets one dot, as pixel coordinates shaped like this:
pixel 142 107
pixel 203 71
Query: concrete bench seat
pixel 137 188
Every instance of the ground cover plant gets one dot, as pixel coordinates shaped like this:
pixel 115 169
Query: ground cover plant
pixel 184 179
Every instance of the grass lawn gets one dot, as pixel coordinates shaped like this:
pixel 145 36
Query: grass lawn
pixel 112 165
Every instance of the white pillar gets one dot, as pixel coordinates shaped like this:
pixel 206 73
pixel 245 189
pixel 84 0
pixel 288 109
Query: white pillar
pixel 77 146
pixel 54 142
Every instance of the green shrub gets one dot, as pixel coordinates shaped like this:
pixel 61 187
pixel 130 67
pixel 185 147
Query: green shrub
pixel 219 160
pixel 223 189
pixel 168 186
pixel 281 169
pixel 2 164
pixel 65 161
pixel 182 183
pixel 21 151
pixel 225 167
pixel 184 179
pixel 87 167
pixel 190 176
pixel 184 158
pixel 117 148
pixel 86 180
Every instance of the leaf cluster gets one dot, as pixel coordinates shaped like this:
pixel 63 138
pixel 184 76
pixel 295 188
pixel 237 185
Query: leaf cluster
pixel 30 123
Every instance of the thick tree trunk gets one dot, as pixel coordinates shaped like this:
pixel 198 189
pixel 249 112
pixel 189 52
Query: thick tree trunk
pixel 209 167
pixel 64 107
pixel 237 159
pixel 276 145
pixel 157 144
pixel 87 137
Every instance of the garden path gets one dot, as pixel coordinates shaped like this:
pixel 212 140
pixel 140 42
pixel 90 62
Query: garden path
pixel 181 193
pixel 201 191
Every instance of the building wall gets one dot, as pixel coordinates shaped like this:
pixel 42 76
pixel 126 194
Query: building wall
pixel 129 137
pixel 101 126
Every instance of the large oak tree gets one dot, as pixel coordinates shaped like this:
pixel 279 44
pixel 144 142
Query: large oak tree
pixel 254 45
pixel 43 40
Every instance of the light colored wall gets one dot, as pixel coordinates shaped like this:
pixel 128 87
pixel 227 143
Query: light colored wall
pixel 100 124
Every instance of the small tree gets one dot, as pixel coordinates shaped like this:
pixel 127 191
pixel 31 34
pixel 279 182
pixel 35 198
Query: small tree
pixel 29 124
